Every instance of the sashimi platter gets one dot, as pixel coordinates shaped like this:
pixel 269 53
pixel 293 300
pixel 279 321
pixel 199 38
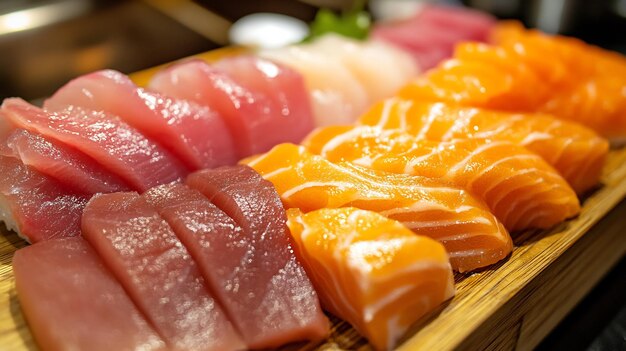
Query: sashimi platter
pixel 445 183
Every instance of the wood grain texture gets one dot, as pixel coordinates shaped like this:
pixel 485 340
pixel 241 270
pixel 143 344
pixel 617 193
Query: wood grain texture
pixel 509 306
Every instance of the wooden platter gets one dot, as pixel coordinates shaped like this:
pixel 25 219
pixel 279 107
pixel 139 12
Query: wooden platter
pixel 512 305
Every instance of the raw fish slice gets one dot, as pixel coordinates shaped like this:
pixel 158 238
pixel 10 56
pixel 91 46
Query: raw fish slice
pixel 156 270
pixel 371 271
pixel 473 237
pixel 475 25
pixel 254 118
pixel 118 147
pixel 432 33
pixel 285 93
pixel 380 68
pixel 336 95
pixel 196 134
pixel 35 206
pixel 72 302
pixel 494 171
pixel 575 151
pixel 274 291
pixel 68 166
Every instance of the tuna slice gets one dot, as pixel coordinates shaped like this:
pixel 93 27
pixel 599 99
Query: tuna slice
pixel 117 146
pixel 196 134
pixel 35 206
pixel 258 119
pixel 72 302
pixel 65 164
pixel 157 272
pixel 432 34
pixel 274 291
pixel 285 91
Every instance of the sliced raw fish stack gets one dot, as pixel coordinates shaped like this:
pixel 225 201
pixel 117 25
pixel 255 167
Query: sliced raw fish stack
pixel 431 34
pixel 72 302
pixel 578 153
pixel 67 165
pixel 519 187
pixel 152 265
pixel 371 271
pixel 472 236
pixel 344 76
pixel 529 71
pixel 272 301
pixel 35 206
pixel 257 119
pixel 119 148
pixel 195 134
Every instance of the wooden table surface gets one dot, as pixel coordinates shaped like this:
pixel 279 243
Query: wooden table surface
pixel 512 305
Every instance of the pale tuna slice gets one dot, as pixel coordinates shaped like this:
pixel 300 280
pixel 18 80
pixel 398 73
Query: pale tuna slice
pixel 63 163
pixel 285 91
pixel 156 270
pixel 282 305
pixel 196 134
pixel 72 302
pixel 120 148
pixel 35 206
pixel 380 68
pixel 337 96
pixel 255 121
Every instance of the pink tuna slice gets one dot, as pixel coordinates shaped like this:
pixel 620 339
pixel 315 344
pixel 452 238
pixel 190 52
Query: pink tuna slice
pixel 67 165
pixel 117 146
pixel 228 258
pixel 282 305
pixel 196 134
pixel 156 270
pixel 37 207
pixel 430 35
pixel 72 302
pixel 268 107
pixel 472 24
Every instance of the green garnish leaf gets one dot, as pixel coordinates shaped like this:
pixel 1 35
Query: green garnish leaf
pixel 355 24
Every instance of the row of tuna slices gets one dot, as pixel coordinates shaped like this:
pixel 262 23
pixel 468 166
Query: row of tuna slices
pixel 100 133
pixel 432 33
pixel 206 264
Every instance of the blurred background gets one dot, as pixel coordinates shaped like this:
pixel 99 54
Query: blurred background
pixel 45 43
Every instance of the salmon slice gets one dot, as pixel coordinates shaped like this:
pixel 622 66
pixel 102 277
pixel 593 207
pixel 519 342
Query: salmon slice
pixel 273 291
pixel 118 147
pixel 473 237
pixel 69 166
pixel 371 271
pixel 575 151
pixel 152 265
pixel 195 134
pixel 72 302
pixel 514 75
pixel 519 187
pixel 35 206
pixel 257 119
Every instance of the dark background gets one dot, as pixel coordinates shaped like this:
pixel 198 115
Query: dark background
pixel 72 37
